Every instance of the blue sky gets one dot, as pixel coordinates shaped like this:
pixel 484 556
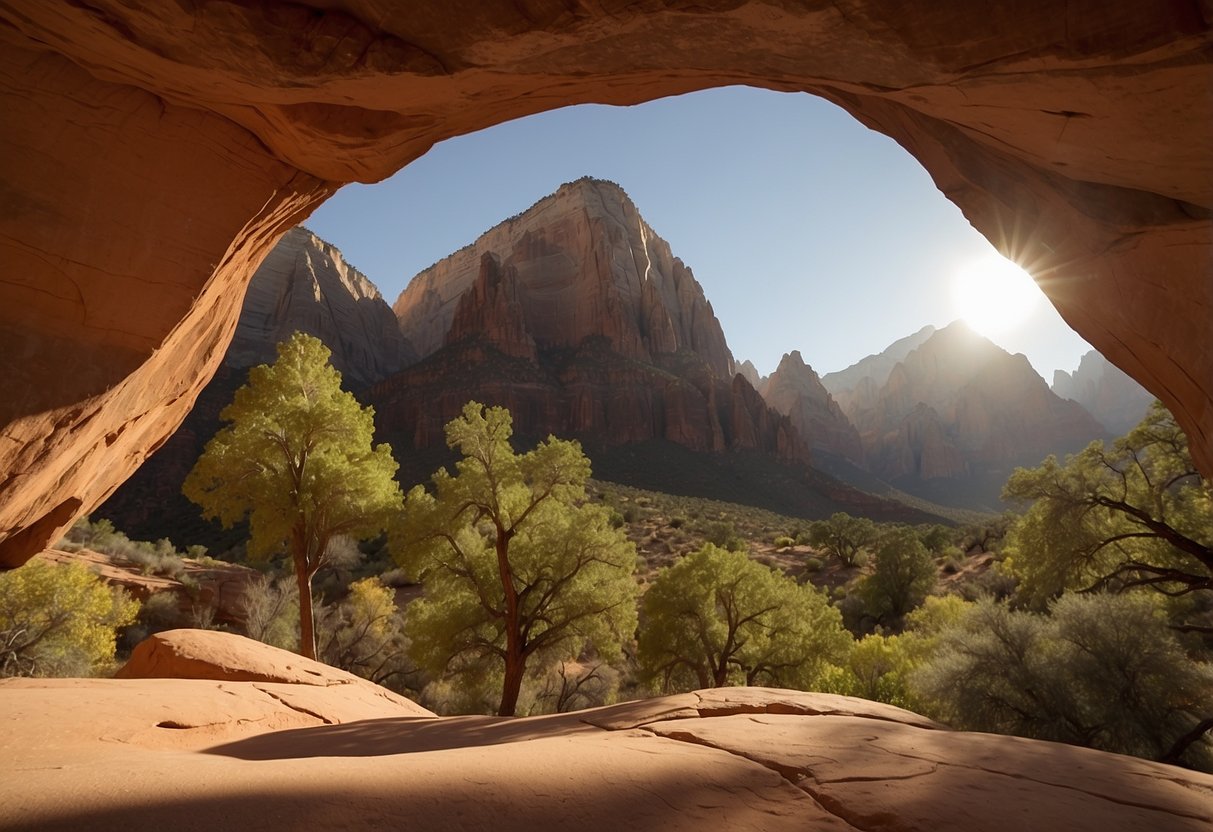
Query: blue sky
pixel 807 230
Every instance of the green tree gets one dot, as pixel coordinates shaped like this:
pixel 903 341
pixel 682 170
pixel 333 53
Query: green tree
pixel 1103 671
pixel 905 574
pixel 881 666
pixel 718 618
pixel 843 536
pixel 59 620
pixel 1136 514
pixel 297 460
pixel 364 634
pixel 516 566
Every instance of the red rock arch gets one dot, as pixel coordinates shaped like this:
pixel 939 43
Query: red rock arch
pixel 150 153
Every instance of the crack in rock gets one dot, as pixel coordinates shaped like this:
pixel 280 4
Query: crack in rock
pixel 297 708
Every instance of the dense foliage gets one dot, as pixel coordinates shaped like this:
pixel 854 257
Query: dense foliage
pixel 297 460
pixel 1099 670
pixel 1133 515
pixel 518 570
pixel 718 618
pixel 59 620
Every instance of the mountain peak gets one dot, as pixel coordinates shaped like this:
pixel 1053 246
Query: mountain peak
pixel 585 264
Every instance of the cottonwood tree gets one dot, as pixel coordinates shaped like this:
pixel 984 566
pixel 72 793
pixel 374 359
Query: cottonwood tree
pixel 297 460
pixel 717 618
pixel 1133 515
pixel 517 569
pixel 843 536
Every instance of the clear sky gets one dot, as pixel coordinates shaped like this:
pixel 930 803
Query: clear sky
pixel 807 230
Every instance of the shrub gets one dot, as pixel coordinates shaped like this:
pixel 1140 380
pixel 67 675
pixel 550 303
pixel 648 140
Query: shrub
pixel 813 564
pixel 1102 671
pixel 783 541
pixel 59 621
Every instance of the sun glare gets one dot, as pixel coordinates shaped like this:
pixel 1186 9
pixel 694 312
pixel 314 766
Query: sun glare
pixel 994 295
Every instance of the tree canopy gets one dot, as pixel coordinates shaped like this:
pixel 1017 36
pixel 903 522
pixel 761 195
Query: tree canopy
pixel 718 618
pixel 517 569
pixel 1135 514
pixel 905 573
pixel 297 460
pixel 843 536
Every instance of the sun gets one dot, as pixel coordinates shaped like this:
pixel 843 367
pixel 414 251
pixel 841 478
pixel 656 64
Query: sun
pixel 994 295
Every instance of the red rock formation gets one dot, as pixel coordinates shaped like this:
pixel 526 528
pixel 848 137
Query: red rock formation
pixel 305 284
pixel 1116 400
pixel 855 386
pixel 152 153
pixel 795 391
pixel 579 263
pixel 580 320
pixel 959 406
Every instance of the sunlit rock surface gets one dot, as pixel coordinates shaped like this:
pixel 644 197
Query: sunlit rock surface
pixel 200 754
pixel 151 155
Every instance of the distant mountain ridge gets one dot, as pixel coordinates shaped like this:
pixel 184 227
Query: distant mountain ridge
pixel 795 390
pixel 1111 396
pixel 955 416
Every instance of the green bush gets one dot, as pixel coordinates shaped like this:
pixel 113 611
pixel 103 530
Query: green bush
pixel 783 541
pixel 813 564
pixel 1103 671
pixel 59 621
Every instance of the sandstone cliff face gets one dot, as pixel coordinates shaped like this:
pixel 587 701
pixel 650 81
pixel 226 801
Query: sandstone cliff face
pixel 795 391
pixel 579 263
pixel 305 284
pixel 1076 142
pixel 1116 400
pixel 577 317
pixel 959 409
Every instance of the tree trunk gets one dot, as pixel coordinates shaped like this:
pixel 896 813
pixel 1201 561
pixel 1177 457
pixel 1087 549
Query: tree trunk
pixel 515 660
pixel 514 668
pixel 307 628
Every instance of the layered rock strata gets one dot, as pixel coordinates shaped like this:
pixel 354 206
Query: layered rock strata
pixel 153 153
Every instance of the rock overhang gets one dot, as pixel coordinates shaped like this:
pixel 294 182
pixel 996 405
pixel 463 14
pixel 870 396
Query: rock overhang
pixel 154 152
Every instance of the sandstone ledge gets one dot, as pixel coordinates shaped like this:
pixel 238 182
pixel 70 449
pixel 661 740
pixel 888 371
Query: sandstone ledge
pixel 194 754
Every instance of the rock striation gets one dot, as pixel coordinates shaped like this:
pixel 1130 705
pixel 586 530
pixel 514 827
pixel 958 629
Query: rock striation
pixel 795 390
pixel 957 414
pixel 200 754
pixel 576 316
pixel 1108 394
pixel 152 154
